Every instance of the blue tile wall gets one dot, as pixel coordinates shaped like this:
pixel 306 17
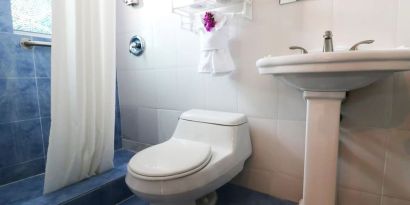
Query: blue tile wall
pixel 18 100
pixel 25 103
pixel 117 138
pixel 45 125
pixel 42 56
pixel 16 62
pixel 20 142
pixel 44 99
pixel 6 24
pixel 21 171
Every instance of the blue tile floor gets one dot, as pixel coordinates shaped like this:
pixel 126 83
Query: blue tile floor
pixel 109 186
pixel 230 195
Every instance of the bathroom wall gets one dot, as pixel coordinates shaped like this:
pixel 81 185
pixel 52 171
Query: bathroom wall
pixel 24 104
pixel 374 152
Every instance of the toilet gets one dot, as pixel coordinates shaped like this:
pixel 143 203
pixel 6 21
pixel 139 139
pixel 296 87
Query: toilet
pixel 206 151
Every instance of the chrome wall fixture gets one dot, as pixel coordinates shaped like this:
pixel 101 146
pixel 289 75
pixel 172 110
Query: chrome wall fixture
pixel 286 1
pixel 27 43
pixel 137 45
pixel 132 2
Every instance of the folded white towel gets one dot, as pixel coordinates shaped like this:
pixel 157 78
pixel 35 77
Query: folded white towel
pixel 215 56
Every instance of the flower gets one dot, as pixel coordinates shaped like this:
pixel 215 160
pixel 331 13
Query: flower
pixel 209 21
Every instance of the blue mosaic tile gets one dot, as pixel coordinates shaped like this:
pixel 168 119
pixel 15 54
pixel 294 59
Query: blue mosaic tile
pixel 6 23
pixel 122 157
pixel 16 62
pixel 23 190
pixel 28 140
pixel 7 146
pixel 45 124
pixel 18 100
pixel 42 59
pixel 44 96
pixel 110 186
pixel 23 142
pixel 230 195
pixel 21 171
pixel 109 194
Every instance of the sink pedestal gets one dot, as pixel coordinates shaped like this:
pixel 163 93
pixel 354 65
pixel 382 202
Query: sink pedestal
pixel 325 78
pixel 321 148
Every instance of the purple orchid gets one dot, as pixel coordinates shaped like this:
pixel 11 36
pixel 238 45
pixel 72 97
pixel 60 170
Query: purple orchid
pixel 209 21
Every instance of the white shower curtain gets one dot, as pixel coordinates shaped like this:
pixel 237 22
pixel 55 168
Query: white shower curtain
pixel 81 140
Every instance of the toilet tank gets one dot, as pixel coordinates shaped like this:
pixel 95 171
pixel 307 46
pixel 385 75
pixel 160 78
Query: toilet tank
pixel 228 132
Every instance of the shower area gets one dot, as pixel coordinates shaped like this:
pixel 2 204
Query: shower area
pixel 25 117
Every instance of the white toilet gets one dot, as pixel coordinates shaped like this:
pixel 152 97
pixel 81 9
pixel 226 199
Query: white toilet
pixel 206 151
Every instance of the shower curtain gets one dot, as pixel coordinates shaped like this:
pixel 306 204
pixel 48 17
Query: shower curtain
pixel 81 140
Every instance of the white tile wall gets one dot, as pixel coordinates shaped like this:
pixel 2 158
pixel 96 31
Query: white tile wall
pixel 354 197
pixel 397 179
pixel 362 158
pixel 374 154
pixel 167 121
pixel 354 21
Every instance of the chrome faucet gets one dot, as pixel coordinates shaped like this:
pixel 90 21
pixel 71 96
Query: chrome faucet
pixel 328 44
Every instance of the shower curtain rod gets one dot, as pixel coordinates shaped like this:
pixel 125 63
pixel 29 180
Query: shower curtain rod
pixel 27 43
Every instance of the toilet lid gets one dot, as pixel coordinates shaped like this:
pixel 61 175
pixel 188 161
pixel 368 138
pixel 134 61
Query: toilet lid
pixel 175 157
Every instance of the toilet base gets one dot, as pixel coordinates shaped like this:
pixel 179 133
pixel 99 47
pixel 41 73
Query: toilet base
pixel 209 199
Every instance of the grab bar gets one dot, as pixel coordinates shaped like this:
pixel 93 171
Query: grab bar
pixel 27 43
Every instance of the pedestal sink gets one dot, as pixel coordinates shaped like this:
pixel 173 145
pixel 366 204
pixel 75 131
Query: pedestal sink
pixel 325 78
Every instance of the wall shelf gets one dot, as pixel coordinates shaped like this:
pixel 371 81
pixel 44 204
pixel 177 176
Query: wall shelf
pixel 188 10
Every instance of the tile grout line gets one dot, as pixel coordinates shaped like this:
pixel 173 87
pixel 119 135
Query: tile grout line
pixel 119 203
pixel 1 186
pixel 38 102
pixel 386 156
pixel 18 121
pixel 21 163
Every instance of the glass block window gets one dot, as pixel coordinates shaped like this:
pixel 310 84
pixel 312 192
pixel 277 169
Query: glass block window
pixel 32 16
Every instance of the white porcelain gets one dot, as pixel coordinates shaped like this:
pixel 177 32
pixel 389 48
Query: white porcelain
pixel 220 118
pixel 321 149
pixel 181 180
pixel 335 71
pixel 172 159
pixel 325 78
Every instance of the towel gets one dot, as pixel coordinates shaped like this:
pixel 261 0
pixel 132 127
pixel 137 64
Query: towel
pixel 215 56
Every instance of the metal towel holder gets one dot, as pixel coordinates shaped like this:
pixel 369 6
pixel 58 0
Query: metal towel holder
pixel 27 43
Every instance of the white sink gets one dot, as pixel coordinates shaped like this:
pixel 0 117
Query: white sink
pixel 325 78
pixel 335 71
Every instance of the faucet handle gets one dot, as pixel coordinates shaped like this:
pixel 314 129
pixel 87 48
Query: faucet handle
pixel 355 47
pixel 302 50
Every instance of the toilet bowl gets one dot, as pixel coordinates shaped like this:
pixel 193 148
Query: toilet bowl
pixel 206 151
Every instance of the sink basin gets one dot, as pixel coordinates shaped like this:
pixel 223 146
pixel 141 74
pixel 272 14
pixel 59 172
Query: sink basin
pixel 325 78
pixel 335 71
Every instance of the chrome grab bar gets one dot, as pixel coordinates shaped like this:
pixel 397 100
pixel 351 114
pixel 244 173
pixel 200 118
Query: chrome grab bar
pixel 27 43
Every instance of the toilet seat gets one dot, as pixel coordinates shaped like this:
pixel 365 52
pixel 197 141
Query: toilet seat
pixel 172 159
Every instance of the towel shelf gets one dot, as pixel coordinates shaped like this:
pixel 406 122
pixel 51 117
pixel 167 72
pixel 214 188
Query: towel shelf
pixel 189 9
